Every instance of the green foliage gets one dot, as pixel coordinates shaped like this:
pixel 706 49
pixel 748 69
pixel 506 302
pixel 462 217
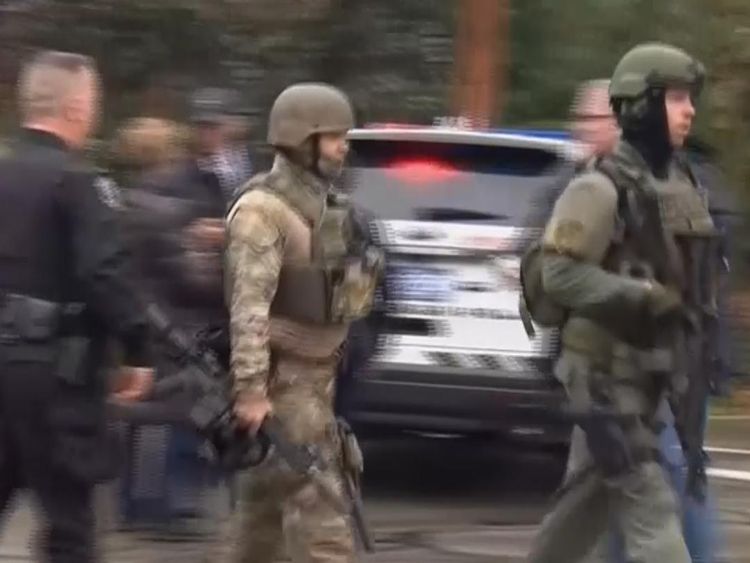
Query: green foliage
pixel 394 57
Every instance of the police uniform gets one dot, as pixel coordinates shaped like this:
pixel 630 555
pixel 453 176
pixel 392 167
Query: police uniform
pixel 293 288
pixel 63 289
pixel 614 255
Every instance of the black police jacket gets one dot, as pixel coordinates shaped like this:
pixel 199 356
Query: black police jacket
pixel 59 241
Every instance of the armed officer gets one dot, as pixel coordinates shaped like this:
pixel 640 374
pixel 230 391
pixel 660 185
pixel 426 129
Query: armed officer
pixel 298 274
pixel 616 255
pixel 63 289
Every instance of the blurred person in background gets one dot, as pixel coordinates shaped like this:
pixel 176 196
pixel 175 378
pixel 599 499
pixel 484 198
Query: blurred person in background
pixel 728 218
pixel 145 147
pixel 174 221
pixel 234 163
pixel 593 124
pixel 594 131
pixel 220 141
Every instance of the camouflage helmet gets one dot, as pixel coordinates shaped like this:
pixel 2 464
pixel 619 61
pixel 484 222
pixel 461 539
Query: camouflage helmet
pixel 655 65
pixel 305 109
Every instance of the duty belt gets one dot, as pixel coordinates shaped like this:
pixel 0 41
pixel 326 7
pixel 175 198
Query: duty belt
pixel 654 360
pixel 592 340
pixel 29 319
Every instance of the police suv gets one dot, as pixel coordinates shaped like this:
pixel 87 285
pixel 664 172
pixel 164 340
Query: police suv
pixel 454 211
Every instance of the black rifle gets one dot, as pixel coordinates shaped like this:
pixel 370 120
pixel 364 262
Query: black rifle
pixel 688 264
pixel 689 405
pixel 212 416
pixel 201 377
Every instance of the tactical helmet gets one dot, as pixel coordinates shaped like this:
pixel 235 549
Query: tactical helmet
pixel 306 109
pixel 655 65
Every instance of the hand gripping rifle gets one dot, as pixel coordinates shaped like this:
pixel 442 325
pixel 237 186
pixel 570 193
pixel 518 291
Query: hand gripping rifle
pixel 212 416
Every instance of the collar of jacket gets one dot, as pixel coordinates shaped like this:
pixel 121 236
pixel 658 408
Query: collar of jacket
pixel 304 191
pixel 629 158
pixel 42 138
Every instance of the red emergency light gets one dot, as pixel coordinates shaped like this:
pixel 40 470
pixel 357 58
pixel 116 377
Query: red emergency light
pixel 421 171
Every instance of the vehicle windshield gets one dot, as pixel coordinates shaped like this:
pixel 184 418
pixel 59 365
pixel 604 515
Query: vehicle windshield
pixel 433 181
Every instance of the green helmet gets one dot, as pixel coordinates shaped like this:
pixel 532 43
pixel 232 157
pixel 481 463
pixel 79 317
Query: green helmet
pixel 654 65
pixel 306 109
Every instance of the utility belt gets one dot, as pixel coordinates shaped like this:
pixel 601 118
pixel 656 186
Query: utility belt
pixel 25 319
pixel 612 439
pixel 613 391
pixel 45 331
pixel 590 339
pixel 328 293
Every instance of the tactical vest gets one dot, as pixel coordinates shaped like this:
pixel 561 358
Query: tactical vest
pixel 337 284
pixel 654 216
pixel 666 234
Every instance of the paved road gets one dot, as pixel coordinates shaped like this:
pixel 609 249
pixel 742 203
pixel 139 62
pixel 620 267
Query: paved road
pixel 447 501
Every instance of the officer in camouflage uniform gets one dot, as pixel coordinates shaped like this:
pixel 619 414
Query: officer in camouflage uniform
pixel 297 275
pixel 616 263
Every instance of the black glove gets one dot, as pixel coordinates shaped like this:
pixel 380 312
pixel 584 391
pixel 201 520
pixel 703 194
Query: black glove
pixel 663 302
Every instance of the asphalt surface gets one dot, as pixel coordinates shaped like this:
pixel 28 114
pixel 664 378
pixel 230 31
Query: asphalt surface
pixel 452 501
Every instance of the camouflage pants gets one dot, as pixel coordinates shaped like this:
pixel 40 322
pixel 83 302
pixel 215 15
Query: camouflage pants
pixel 641 502
pixel 282 513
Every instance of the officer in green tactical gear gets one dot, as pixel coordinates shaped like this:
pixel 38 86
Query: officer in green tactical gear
pixel 297 276
pixel 626 256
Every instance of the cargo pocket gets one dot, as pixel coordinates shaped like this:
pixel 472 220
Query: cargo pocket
pixel 575 373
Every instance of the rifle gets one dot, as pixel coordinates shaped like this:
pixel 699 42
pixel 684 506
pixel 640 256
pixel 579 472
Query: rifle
pixel 306 461
pixel 606 439
pixel 689 264
pixel 701 346
pixel 212 416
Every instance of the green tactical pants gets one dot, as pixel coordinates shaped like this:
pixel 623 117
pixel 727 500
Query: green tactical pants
pixel 642 502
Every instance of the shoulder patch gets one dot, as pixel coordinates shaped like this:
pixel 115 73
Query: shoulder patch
pixel 567 234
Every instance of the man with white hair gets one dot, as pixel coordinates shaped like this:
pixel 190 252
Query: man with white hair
pixel 594 131
pixel 593 124
pixel 64 291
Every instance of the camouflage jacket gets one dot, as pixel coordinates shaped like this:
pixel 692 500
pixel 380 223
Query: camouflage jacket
pixel 266 230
